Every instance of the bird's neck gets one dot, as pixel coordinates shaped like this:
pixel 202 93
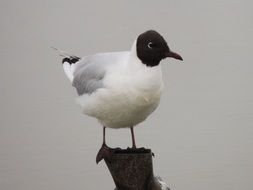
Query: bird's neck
pixel 146 77
pixel 133 61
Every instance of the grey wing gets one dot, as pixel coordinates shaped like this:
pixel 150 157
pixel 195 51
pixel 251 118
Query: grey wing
pixel 90 72
pixel 88 77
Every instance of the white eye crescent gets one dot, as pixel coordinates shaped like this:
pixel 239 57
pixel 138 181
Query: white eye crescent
pixel 150 45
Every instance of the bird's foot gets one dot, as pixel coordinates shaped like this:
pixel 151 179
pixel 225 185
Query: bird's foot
pixel 104 153
pixel 138 150
pixel 134 147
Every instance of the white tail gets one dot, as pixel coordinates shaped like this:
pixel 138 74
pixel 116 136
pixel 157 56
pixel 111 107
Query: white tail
pixel 68 62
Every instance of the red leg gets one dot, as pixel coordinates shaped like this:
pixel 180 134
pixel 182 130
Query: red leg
pixel 133 138
pixel 104 152
pixel 104 136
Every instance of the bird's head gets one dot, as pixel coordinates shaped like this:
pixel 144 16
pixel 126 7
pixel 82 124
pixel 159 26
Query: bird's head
pixel 152 48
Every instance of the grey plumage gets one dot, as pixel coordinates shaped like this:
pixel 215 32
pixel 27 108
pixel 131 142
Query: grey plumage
pixel 88 77
pixel 90 71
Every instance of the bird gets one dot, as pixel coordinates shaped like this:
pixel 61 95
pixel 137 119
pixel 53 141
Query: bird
pixel 120 89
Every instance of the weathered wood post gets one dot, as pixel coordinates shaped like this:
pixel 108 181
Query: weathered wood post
pixel 132 169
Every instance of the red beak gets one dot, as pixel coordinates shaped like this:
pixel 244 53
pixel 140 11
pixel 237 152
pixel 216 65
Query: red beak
pixel 173 55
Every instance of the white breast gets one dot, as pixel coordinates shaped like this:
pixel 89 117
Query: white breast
pixel 129 98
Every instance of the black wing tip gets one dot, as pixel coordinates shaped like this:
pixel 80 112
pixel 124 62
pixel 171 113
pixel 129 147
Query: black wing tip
pixel 70 60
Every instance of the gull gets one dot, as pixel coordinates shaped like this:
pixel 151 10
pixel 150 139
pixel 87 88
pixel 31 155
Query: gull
pixel 120 89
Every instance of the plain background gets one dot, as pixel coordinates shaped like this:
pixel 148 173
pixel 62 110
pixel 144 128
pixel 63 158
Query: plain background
pixel 201 134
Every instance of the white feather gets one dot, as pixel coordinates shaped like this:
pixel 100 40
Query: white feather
pixel 68 69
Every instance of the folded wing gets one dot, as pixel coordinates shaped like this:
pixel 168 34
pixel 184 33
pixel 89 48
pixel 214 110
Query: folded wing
pixel 89 72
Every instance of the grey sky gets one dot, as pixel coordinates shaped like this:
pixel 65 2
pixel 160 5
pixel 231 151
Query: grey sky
pixel 201 133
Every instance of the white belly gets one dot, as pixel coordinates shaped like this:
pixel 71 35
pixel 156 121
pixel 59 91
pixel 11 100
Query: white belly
pixel 119 108
pixel 129 97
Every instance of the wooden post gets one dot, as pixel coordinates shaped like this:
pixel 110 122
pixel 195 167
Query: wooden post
pixel 132 169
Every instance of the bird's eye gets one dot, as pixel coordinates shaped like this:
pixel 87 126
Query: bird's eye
pixel 151 45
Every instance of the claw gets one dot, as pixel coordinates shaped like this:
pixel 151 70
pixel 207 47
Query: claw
pixel 104 153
